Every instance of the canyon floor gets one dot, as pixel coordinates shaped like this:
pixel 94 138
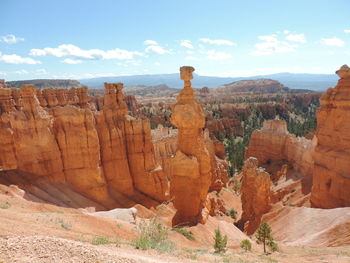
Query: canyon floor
pixel 39 232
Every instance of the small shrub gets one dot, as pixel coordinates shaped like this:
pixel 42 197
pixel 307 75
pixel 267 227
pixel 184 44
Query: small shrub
pixel 5 205
pixel 101 240
pixel 227 259
pixel 273 246
pixel 65 225
pixel 153 235
pixel 183 231
pixel 220 241
pixel 236 186
pixel 233 214
pixel 246 245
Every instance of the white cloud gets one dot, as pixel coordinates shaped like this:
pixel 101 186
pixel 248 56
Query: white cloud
pixel 346 30
pixel 15 59
pixel 296 38
pixel 69 50
pixel 156 63
pixel 190 52
pixel 72 61
pixel 271 45
pixel 41 71
pixel 156 49
pixel 186 43
pixel 216 55
pixel 217 42
pixel 3 73
pixel 285 32
pixel 333 41
pixel 21 72
pixel 10 39
pixel 150 42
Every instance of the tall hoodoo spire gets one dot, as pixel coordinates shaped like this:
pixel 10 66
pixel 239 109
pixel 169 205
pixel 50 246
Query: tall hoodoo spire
pixel 191 170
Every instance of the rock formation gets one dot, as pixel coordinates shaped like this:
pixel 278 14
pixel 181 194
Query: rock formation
pixel 204 90
pixel 191 174
pixel 274 143
pixel 253 85
pixel 224 127
pixel 256 195
pixel 56 135
pixel 165 144
pixel 132 103
pixel 3 84
pixel 331 181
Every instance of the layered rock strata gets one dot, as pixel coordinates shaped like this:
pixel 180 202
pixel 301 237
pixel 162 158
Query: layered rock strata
pixel 58 136
pixel 331 180
pixel 273 142
pixel 225 127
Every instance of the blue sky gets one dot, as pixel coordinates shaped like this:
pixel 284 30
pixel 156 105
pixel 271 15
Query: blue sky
pixel 81 39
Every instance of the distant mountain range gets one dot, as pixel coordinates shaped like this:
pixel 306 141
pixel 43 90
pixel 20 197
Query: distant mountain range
pixel 47 83
pixel 316 82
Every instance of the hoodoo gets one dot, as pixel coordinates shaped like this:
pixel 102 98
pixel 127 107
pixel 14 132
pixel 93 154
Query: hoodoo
pixel 55 139
pixel 256 194
pixel 191 170
pixel 331 181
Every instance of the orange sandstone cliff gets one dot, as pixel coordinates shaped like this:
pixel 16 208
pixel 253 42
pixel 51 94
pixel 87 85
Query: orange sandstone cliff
pixel 331 181
pixel 57 136
pixel 274 143
pixel 286 174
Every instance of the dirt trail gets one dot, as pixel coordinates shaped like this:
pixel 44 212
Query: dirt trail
pixel 43 249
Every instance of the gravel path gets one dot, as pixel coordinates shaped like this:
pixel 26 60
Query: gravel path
pixel 42 249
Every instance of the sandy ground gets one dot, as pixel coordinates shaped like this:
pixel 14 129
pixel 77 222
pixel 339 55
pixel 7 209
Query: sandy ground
pixel 37 232
pixel 44 249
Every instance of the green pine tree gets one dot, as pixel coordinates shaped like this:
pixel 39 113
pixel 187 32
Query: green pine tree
pixel 220 241
pixel 263 235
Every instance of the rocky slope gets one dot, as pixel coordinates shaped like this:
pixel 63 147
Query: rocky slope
pixel 295 226
pixel 331 183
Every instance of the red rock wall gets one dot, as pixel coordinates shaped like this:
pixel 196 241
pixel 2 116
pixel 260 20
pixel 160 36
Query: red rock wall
pixel 224 127
pixel 331 181
pixel 58 135
pixel 274 143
